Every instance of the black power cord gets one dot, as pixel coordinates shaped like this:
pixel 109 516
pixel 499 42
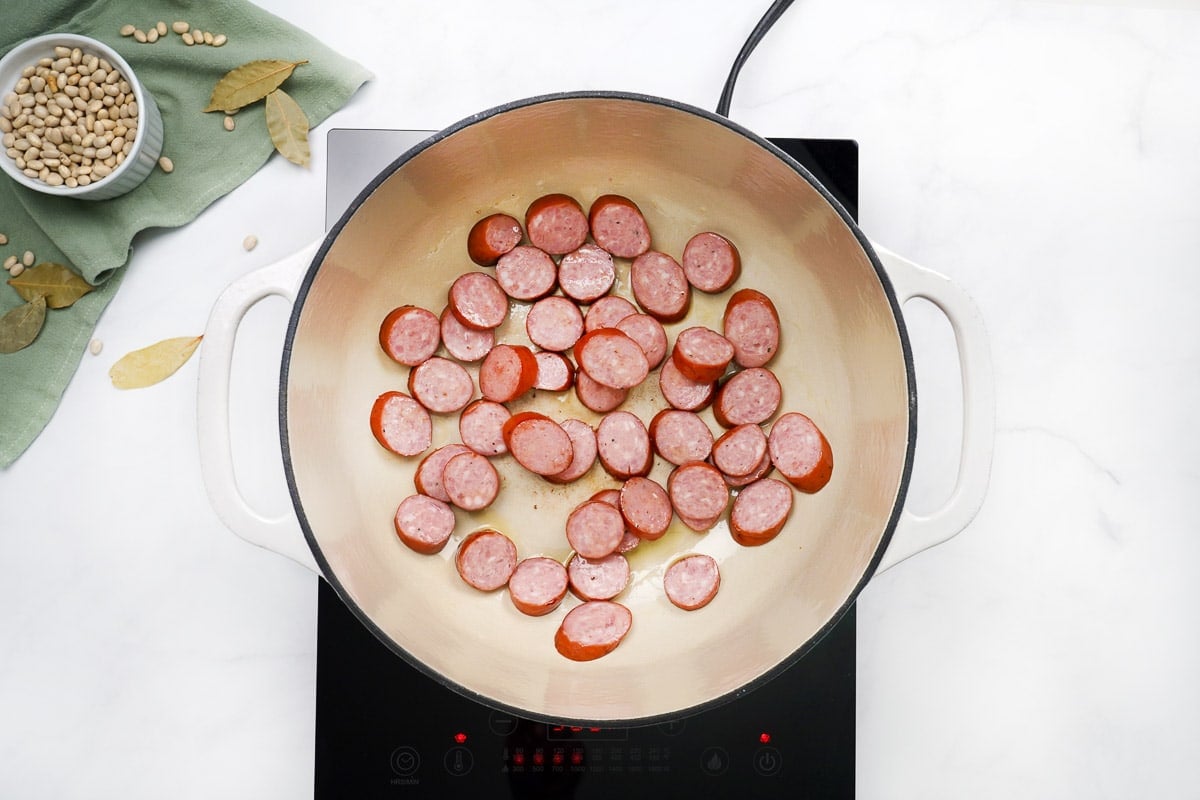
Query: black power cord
pixel 760 30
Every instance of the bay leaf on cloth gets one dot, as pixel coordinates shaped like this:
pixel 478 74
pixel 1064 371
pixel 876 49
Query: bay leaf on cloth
pixel 94 237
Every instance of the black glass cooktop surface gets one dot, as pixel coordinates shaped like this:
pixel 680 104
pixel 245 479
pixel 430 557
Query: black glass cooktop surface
pixel 385 730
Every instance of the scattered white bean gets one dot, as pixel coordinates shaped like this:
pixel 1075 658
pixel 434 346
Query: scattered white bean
pixel 127 30
pixel 140 35
pixel 17 269
pixel 95 346
pixel 229 123
pixel 250 242
pixel 161 27
pixel 219 40
pixel 152 35
pixel 3 239
pixel 27 259
pixel 166 164
pixel 180 27
pixel 187 39
pixel 11 262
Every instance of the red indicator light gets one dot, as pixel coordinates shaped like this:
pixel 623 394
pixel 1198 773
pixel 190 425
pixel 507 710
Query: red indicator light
pixel 764 738
pixel 576 757
pixel 594 730
pixel 519 757
pixel 539 757
pixel 576 729
pixel 557 759
pixel 460 737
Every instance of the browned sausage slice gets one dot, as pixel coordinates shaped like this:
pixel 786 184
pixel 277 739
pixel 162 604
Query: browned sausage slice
pixel 538 443
pixel 739 451
pixel 470 481
pixel 401 424
pixel 701 354
pixel 592 629
pixel 660 287
pixel 596 396
pixel 751 324
pixel 465 344
pixel 428 477
pixel 492 237
pixel 680 436
pixel 595 529
pixel 748 396
pixel 441 385
pixel 409 335
pixel 424 523
pixel 646 507
pixel 618 226
pixel 692 581
pixel 598 578
pixel 648 333
pixel 681 391
pixel 556 223
pixel 610 357
pixel 526 273
pixel 699 494
pixel 586 274
pixel 801 452
pixel 623 445
pixel 486 559
pixel 537 585
pixel 478 301
pixel 760 511
pixel 507 372
pixel 763 469
pixel 711 262
pixel 481 425
pixel 554 323
pixel 607 312
pixel 556 373
pixel 583 451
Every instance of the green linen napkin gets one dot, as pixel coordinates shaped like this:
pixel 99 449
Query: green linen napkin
pixel 95 236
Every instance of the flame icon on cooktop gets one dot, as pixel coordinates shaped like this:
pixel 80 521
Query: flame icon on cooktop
pixel 714 760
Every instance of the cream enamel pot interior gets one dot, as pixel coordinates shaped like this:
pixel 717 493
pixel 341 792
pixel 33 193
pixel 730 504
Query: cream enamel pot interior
pixel 844 361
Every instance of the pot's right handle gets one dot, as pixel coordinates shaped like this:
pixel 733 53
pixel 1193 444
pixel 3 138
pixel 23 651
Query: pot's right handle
pixel 917 532
pixel 279 534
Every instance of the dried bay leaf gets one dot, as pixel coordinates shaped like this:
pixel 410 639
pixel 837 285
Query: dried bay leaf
pixel 152 364
pixel 288 127
pixel 58 284
pixel 21 325
pixel 250 83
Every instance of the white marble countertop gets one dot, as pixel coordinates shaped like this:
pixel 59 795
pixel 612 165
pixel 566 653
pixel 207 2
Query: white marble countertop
pixel 1043 155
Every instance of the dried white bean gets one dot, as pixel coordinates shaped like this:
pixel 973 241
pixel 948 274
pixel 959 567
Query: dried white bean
pixel 161 27
pixel 229 123
pixel 180 27
pixel 219 40
pixel 16 270
pixel 187 39
pixel 95 346
pixel 140 35
pixel 166 164
pixel 250 242
pixel 10 262
pixel 27 258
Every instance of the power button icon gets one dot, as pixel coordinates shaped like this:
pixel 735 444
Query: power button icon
pixel 768 761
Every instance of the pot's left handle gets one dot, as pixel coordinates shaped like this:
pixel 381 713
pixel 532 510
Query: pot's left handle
pixel 279 534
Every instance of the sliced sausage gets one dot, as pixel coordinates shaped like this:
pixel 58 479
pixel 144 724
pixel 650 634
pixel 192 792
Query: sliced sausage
pixel 538 443
pixel 492 237
pixel 660 287
pixel 424 523
pixel 526 273
pixel 481 425
pixel 401 424
pixel 692 581
pixel 596 396
pixel 645 507
pixel 760 511
pixel 680 436
pixel 410 334
pixel 801 452
pixel 554 323
pixel 537 585
pixel 623 445
pixel 711 262
pixel 751 324
pixel 761 471
pixel 648 333
pixel 698 493
pixel 463 343
pixel 583 451
pixel 748 396
pixel 701 354
pixel 610 357
pixel 441 385
pixel 618 226
pixel 478 301
pixel 592 629
pixel 681 391
pixel 607 312
pixel 507 372
pixel 556 373
pixel 428 477
pixel 556 223
pixel 470 481
pixel 486 559
pixel 595 528
pixel 739 451
pixel 613 497
pixel 598 578
pixel 586 274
